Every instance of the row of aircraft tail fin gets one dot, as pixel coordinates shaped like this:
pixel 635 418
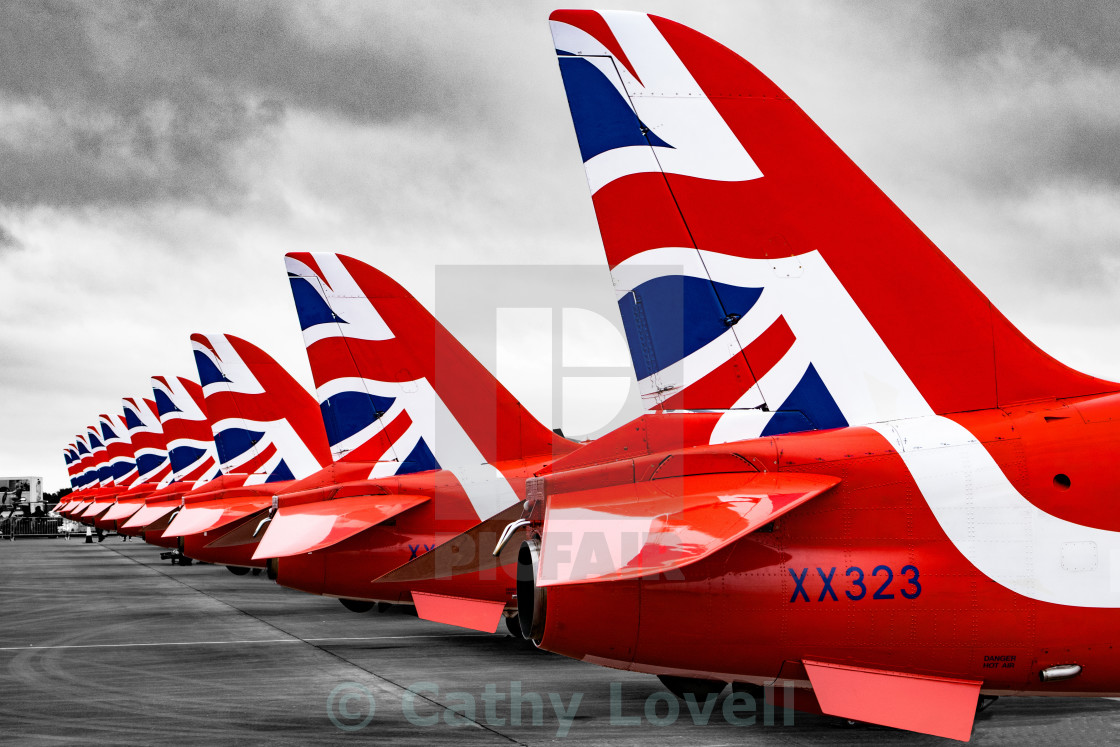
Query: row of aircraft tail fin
pixel 395 391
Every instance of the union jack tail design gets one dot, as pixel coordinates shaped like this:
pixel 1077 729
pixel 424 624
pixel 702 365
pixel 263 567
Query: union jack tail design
pixel 120 460
pixel 190 444
pixel 86 475
pixel 264 423
pixel 396 388
pixel 70 456
pixel 99 458
pixel 148 441
pixel 759 272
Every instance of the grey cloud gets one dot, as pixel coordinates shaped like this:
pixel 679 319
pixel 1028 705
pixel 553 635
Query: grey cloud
pixel 7 240
pixel 1089 31
pixel 131 102
pixel 1032 82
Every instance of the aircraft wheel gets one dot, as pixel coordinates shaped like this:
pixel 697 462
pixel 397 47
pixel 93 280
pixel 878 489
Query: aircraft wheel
pixel 355 605
pixel 237 570
pixel 513 625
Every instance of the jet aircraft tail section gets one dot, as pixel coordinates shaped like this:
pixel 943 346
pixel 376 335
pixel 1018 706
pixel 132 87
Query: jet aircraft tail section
pixel 264 423
pixel 397 389
pixel 190 443
pixel 756 267
pixel 70 456
pixel 149 442
pixel 376 354
pixel 266 428
pixel 120 462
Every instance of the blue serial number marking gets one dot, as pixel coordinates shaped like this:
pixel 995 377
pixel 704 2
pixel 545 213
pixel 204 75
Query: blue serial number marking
pixel 908 584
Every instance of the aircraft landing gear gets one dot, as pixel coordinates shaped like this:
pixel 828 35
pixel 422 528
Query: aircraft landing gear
pixel 238 570
pixel 176 558
pixel 355 605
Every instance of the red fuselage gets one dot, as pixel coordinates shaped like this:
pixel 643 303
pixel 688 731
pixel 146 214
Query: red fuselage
pixel 865 574
pixel 348 569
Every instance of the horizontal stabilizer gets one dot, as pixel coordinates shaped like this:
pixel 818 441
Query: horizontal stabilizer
pixel 633 530
pixel 149 514
pixel 306 527
pixel 81 509
pixel 476 614
pixel 248 531
pixel 196 518
pixel 96 510
pixel 123 510
pixel 928 705
pixel 77 508
pixel 467 553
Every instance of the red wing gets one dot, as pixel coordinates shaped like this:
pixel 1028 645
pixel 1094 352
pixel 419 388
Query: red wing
pixel 196 518
pixel 634 530
pixel 311 526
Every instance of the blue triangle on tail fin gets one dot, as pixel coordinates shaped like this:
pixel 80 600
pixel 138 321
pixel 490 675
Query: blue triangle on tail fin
pixel 131 419
pixel 208 373
pixel 164 404
pixel 232 442
pixel 811 400
pixel 668 318
pixel 311 308
pixel 281 473
pixel 146 463
pixel 347 413
pixel 184 456
pixel 420 460
pixel 602 116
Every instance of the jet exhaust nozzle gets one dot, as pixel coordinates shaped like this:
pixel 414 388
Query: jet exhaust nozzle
pixel 531 599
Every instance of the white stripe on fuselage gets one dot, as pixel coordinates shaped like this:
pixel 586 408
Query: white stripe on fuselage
pixel 1007 538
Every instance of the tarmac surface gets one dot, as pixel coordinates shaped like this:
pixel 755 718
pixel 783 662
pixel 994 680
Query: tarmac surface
pixel 107 643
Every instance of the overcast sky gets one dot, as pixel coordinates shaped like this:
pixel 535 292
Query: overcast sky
pixel 158 159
